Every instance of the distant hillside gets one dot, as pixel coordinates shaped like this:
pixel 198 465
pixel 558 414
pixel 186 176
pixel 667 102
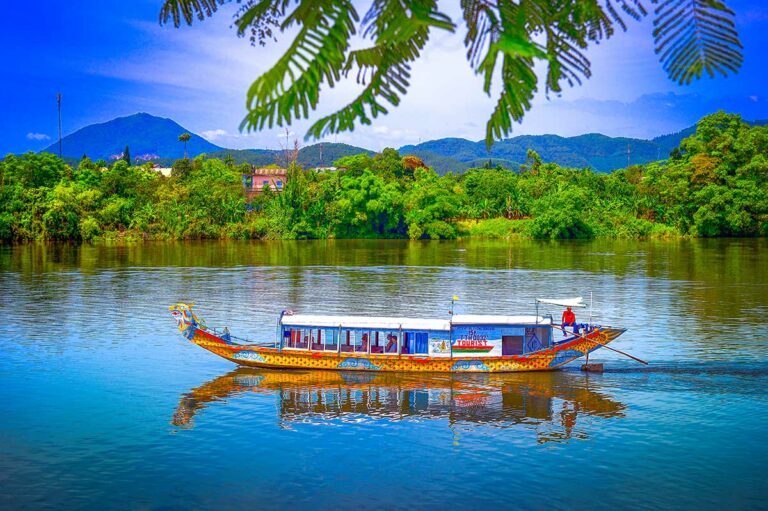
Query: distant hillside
pixel 144 134
pixel 310 156
pixel 599 152
pixel 158 138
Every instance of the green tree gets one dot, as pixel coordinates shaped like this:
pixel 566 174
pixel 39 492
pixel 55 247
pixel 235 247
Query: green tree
pixel 184 137
pixel 504 39
pixel 127 156
pixel 32 170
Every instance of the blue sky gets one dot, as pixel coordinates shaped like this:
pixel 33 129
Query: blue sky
pixel 110 59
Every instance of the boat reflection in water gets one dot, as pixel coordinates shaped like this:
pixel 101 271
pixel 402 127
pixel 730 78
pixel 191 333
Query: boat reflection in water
pixel 551 402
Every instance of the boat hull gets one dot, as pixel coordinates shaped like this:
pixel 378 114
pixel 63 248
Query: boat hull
pixel 272 358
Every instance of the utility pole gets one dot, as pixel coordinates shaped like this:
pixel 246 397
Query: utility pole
pixel 58 104
pixel 629 151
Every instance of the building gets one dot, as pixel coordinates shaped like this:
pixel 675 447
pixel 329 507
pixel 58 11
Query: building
pixel 255 181
pixel 165 171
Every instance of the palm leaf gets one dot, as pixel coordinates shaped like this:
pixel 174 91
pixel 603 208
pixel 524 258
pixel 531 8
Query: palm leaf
pixel 400 30
pixel 188 10
pixel 694 36
pixel 290 89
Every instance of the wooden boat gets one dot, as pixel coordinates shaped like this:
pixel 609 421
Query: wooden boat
pixel 463 343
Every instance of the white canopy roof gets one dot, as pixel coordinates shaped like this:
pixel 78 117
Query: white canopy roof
pixel 372 322
pixel 474 319
pixel 391 323
pixel 563 302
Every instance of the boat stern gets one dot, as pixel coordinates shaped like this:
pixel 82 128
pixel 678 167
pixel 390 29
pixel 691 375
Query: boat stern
pixel 582 346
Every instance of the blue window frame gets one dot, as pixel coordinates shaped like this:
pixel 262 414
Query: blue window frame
pixel 422 343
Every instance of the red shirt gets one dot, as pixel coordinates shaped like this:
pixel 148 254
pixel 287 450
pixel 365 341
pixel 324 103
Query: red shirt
pixel 569 317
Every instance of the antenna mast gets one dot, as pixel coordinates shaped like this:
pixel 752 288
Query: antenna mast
pixel 58 104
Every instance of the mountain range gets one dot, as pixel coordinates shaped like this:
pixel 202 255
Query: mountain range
pixel 156 138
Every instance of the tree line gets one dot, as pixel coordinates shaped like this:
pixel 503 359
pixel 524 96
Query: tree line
pixel 714 184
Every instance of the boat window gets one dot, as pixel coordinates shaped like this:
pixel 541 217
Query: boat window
pixel 364 341
pixel 316 339
pixel 422 343
pixel 416 343
pixel 387 343
pixel 307 337
pixel 329 339
pixel 511 345
pixel 348 343
pixel 299 338
pixel 291 338
pixel 381 340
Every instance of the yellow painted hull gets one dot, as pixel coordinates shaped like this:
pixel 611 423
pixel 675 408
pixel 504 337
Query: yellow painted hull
pixel 272 358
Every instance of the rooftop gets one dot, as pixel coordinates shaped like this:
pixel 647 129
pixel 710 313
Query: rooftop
pixel 396 323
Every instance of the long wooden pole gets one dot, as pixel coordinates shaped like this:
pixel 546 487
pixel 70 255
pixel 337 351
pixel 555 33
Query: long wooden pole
pixel 606 346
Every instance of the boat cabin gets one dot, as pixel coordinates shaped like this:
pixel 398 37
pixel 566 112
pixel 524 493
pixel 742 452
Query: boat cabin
pixel 462 336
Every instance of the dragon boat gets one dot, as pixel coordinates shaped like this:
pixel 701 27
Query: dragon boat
pixel 463 343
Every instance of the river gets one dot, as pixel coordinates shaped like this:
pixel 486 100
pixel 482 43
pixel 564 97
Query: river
pixel 105 406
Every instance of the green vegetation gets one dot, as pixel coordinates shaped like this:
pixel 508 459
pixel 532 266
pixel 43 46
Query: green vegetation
pixel 714 184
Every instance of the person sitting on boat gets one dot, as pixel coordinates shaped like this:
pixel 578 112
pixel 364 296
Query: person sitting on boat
pixel 226 335
pixel 391 346
pixel 364 345
pixel 569 319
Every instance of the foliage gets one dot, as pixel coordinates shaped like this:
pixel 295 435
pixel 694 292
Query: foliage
pixel 505 40
pixel 126 155
pixel 716 186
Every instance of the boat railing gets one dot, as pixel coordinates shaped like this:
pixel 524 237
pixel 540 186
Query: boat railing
pixel 224 334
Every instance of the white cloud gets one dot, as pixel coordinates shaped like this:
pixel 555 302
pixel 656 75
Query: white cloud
pixel 37 136
pixel 213 135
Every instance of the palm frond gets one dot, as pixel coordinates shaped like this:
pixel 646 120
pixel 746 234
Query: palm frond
pixel 187 10
pixel 400 31
pixel 694 36
pixel 291 88
pixel 513 33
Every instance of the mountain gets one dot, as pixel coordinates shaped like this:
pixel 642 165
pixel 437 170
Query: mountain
pixel 144 134
pixel 599 152
pixel 323 154
pixel 156 137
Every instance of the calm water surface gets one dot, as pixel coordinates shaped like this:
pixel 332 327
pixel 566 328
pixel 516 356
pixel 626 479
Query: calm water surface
pixel 103 405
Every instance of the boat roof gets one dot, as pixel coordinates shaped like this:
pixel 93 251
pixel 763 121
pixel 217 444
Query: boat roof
pixel 372 322
pixel 396 323
pixel 563 302
pixel 475 319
